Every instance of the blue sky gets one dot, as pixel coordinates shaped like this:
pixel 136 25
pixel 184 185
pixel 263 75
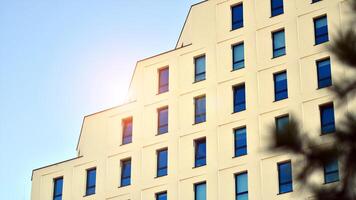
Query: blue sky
pixel 62 60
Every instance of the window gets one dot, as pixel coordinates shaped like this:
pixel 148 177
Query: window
pixel 127 131
pixel 327 118
pixel 240 142
pixel 125 173
pixel 162 162
pixel 200 109
pixel 314 1
pixel 239 98
pixel 238 56
pixel 241 186
pixel 199 63
pixel 276 7
pixel 161 196
pixel 162 120
pixel 237 16
pixel 281 122
pixel 324 73
pixel 321 30
pixel 279 44
pixel 58 188
pixel 200 191
pixel 285 177
pixel 91 182
pixel 331 172
pixel 200 152
pixel 163 84
pixel 280 86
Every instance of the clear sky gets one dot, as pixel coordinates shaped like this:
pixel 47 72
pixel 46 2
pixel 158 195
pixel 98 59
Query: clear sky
pixel 61 60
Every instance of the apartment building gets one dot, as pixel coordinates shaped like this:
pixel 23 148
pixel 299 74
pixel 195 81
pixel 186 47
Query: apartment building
pixel 197 122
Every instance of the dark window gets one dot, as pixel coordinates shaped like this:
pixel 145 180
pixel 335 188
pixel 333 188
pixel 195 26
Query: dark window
pixel 163 120
pixel 162 162
pixel 281 123
pixel 285 177
pixel 314 1
pixel 238 56
pixel 127 130
pixel 321 30
pixel 237 16
pixel 331 171
pixel 239 98
pixel 125 173
pixel 200 109
pixel 280 86
pixel 327 118
pixel 91 181
pixel 199 64
pixel 240 142
pixel 276 7
pixel 161 196
pixel 58 188
pixel 324 73
pixel 163 84
pixel 241 186
pixel 279 43
pixel 200 152
pixel 200 191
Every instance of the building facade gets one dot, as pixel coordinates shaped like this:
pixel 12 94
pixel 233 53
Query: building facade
pixel 197 122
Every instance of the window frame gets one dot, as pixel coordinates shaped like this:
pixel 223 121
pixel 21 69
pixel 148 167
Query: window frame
pixel 316 35
pixel 123 177
pixel 280 117
pixel 275 86
pixel 157 195
pixel 197 157
pixel 197 114
pixel 234 62
pixel 196 186
pixel 279 177
pixel 87 186
pixel 235 89
pixel 126 138
pixel 322 107
pixel 55 196
pixel 317 62
pixel 159 125
pixel 158 163
pixel 161 86
pixel 236 147
pixel 237 194
pixel 274 49
pixel 276 8
pixel 238 24
pixel 196 58
pixel 331 172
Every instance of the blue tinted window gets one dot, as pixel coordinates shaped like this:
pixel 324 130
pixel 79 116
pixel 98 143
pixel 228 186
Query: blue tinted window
pixel 161 196
pixel 285 177
pixel 324 73
pixel 163 120
pixel 281 122
pixel 280 86
pixel 241 184
pixel 279 44
pixel 239 98
pixel 200 112
pixel 321 30
pixel 163 84
pixel 58 188
pixel 276 7
pixel 238 57
pixel 162 162
pixel 200 191
pixel 127 131
pixel 91 181
pixel 237 17
pixel 200 152
pixel 125 173
pixel 331 171
pixel 199 68
pixel 240 142
pixel 327 119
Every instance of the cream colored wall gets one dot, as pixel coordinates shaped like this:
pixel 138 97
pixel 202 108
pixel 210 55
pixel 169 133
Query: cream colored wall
pixel 208 29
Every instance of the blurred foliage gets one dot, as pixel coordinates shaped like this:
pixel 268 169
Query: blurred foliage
pixel 342 145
